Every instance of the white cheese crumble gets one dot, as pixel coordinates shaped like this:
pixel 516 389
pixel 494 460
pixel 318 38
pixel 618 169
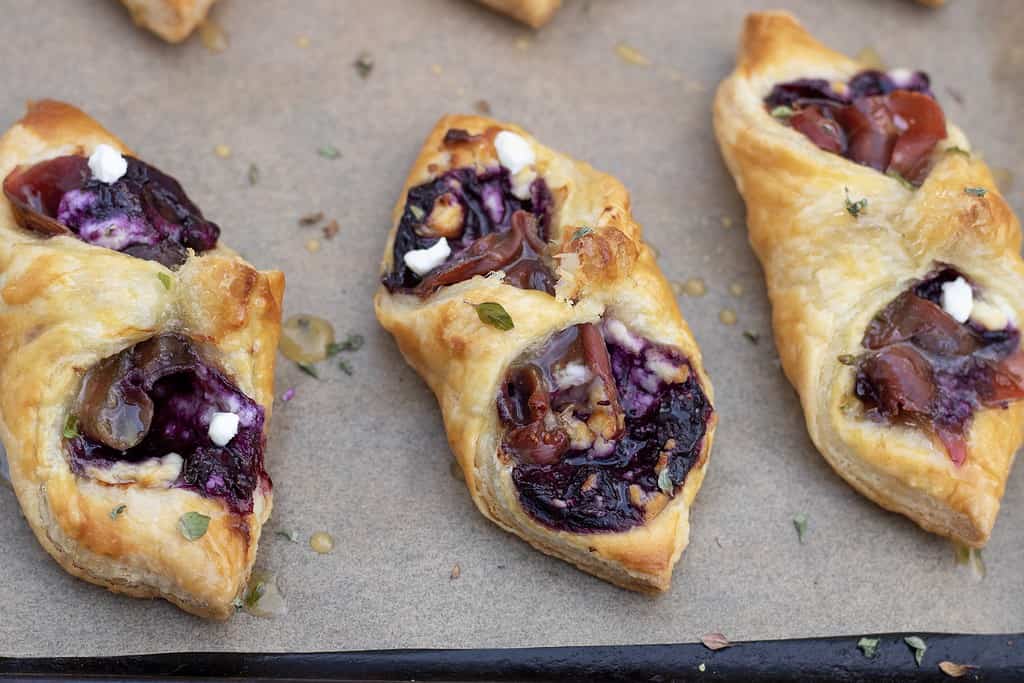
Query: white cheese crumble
pixel 514 152
pixel 422 261
pixel 957 299
pixel 107 164
pixel 572 375
pixel 150 473
pixel 618 333
pixel 988 316
pixel 223 427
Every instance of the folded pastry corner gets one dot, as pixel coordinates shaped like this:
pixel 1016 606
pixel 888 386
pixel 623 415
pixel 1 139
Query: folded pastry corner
pixel 533 13
pixel 516 283
pixel 893 269
pixel 172 20
pixel 136 368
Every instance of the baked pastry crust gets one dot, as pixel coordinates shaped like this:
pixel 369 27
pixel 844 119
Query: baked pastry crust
pixel 172 20
pixel 533 13
pixel 828 273
pixel 64 306
pixel 610 270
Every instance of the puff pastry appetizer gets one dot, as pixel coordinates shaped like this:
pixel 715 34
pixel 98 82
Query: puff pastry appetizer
pixel 136 374
pixel 893 271
pixel 516 283
pixel 172 20
pixel 533 13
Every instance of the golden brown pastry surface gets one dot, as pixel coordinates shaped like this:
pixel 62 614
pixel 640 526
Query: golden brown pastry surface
pixel 607 272
pixel 533 13
pixel 172 20
pixel 829 272
pixel 64 306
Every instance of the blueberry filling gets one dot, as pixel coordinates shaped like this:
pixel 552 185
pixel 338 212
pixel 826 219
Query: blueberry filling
pixel 888 121
pixel 477 214
pixel 145 213
pixel 602 427
pixel 925 369
pixel 159 397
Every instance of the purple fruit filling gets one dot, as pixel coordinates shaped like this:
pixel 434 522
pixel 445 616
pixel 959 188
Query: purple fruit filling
pixel 145 213
pixel 602 426
pixel 888 121
pixel 924 368
pixel 475 212
pixel 159 397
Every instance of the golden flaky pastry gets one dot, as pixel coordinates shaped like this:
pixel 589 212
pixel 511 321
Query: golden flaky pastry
pixel 574 400
pixel 533 13
pixel 894 306
pixel 172 20
pixel 65 306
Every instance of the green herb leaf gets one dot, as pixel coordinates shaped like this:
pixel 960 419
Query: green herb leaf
pixel 856 208
pixel 918 646
pixel 580 232
pixel 345 367
pixel 957 150
pixel 752 337
pixel 193 525
pixel 290 534
pixel 254 174
pixel 800 522
pixel 896 175
pixel 782 112
pixel 976 191
pixel 869 646
pixel 165 279
pixel 71 427
pixel 255 592
pixel 494 314
pixel 118 511
pixel 309 370
pixel 353 342
pixel 237 603
pixel 363 64
pixel 665 482
pixel 329 152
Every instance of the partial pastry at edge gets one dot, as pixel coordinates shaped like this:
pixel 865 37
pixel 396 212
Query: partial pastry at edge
pixel 575 400
pixel 136 368
pixel 893 269
pixel 172 20
pixel 533 13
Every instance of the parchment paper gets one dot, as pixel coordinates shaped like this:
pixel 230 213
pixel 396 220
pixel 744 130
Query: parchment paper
pixel 365 457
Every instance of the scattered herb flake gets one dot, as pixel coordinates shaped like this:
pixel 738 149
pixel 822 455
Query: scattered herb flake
pixel 193 525
pixel 800 522
pixel 847 358
pixel 896 175
pixel 118 511
pixel 782 112
pixel 482 107
pixel 665 482
pixel 957 150
pixel 329 152
pixel 752 337
pixel 237 603
pixel 71 427
pixel 631 55
pixel 254 174
pixel 954 670
pixel 165 279
pixel 919 647
pixel 869 646
pixel 353 342
pixel 311 218
pixel 253 595
pixel 290 534
pixel 309 369
pixel 345 366
pixel 855 208
pixel 976 191
pixel 364 64
pixel 715 641
pixel 456 572
pixel 580 232
pixel 494 314
pixel 331 229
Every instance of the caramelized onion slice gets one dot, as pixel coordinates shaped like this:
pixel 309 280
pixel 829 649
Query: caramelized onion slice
pixel 112 410
pixel 533 442
pixel 822 130
pixel 925 126
pixel 911 318
pixel 871 130
pixel 901 380
pixel 35 191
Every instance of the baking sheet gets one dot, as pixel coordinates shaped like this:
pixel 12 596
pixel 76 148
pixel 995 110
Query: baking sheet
pixel 364 457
